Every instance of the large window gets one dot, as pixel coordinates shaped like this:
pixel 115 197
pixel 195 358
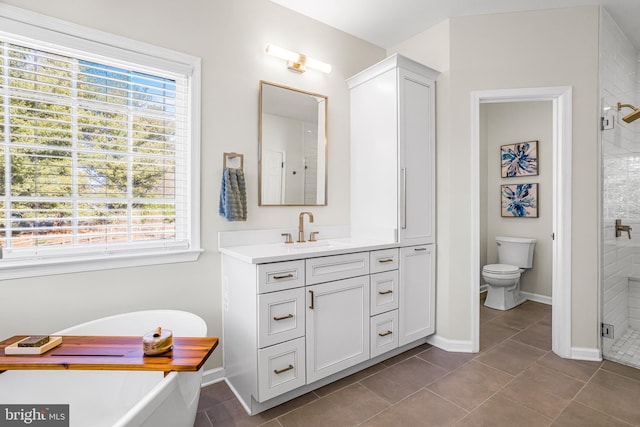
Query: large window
pixel 96 149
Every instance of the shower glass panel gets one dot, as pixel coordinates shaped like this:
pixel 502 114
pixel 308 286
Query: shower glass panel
pixel 620 154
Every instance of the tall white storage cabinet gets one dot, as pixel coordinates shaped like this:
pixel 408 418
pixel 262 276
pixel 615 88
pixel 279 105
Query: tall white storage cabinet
pixel 393 178
pixel 393 152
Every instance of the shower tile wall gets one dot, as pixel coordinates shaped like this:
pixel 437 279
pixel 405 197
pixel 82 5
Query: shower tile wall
pixel 619 74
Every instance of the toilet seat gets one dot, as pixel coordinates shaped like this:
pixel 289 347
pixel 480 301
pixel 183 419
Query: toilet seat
pixel 500 269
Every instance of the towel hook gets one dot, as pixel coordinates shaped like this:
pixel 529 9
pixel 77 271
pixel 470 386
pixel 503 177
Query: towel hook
pixel 227 156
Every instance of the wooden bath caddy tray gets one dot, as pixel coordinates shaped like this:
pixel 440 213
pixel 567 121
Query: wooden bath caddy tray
pixel 111 353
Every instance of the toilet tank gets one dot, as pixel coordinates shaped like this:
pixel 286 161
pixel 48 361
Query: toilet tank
pixel 516 251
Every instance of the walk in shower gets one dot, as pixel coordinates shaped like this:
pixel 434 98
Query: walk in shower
pixel 620 254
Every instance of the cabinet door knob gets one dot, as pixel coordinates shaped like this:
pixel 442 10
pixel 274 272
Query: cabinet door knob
pixel 385 292
pixel 286 276
pixel 288 316
pixel 382 261
pixel 311 306
pixel 384 334
pixel 279 371
pixel 420 249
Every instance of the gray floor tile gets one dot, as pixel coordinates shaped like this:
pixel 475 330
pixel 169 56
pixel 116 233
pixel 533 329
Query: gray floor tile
pixel 581 370
pixel 543 390
pixel 500 412
pixel 401 380
pixel 493 333
pixel 347 407
pixel 514 380
pixel 537 335
pixel 613 394
pixel 470 385
pixel 511 356
pixel 445 359
pixel 420 409
pixel 578 415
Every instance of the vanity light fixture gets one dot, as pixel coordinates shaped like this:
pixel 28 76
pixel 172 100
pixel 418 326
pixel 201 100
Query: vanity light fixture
pixel 297 61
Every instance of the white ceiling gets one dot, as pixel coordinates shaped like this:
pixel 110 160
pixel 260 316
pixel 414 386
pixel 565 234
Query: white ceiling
pixel 388 22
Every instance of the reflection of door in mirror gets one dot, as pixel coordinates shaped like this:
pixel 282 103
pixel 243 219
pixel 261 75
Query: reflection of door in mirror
pixel 292 146
pixel 272 171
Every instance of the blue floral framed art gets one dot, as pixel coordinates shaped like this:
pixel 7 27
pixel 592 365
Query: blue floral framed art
pixel 520 200
pixel 520 159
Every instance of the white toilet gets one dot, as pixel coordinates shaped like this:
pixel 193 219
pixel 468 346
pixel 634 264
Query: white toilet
pixel 515 254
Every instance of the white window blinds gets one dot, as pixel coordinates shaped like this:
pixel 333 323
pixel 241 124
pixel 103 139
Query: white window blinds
pixel 94 154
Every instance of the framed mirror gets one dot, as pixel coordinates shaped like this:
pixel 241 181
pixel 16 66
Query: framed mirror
pixel 293 147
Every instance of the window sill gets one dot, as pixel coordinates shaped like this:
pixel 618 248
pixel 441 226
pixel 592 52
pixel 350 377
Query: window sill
pixel 48 267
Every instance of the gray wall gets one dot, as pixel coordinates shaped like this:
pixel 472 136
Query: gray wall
pixel 230 37
pixel 545 48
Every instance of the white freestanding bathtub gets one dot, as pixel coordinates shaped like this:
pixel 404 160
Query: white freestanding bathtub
pixel 116 398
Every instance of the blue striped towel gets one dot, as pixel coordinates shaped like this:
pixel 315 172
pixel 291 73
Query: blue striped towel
pixel 233 195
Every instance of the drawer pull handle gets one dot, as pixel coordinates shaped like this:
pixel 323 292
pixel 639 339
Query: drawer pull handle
pixel 385 292
pixel 288 316
pixel 420 249
pixel 382 261
pixel 279 371
pixel 384 334
pixel 286 276
pixel 311 306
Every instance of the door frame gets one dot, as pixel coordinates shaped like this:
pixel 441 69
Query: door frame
pixel 561 98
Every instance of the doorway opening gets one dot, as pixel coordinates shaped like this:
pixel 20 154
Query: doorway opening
pixel 560 98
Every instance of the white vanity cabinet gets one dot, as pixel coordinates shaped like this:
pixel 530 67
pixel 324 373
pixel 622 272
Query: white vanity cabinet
pixel 393 151
pixel 295 325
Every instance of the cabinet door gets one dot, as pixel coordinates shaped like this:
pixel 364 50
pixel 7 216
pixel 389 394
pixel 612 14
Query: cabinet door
pixel 417 293
pixel 416 135
pixel 337 326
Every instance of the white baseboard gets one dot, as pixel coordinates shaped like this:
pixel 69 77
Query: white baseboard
pixel 584 353
pixel 446 344
pixel 537 298
pixel 212 376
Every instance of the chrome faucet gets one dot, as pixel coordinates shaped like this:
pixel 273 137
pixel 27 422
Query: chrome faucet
pixel 301 225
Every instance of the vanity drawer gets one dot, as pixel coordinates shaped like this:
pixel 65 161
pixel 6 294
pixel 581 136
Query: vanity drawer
pixel 384 332
pixel 279 276
pixel 280 316
pixel 336 267
pixel 384 292
pixel 384 260
pixel 281 368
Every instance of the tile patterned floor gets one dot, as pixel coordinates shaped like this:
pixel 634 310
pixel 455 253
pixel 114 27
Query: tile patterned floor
pixel 515 380
pixel 626 349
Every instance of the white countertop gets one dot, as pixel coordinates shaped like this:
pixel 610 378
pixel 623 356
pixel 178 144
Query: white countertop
pixel 274 252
